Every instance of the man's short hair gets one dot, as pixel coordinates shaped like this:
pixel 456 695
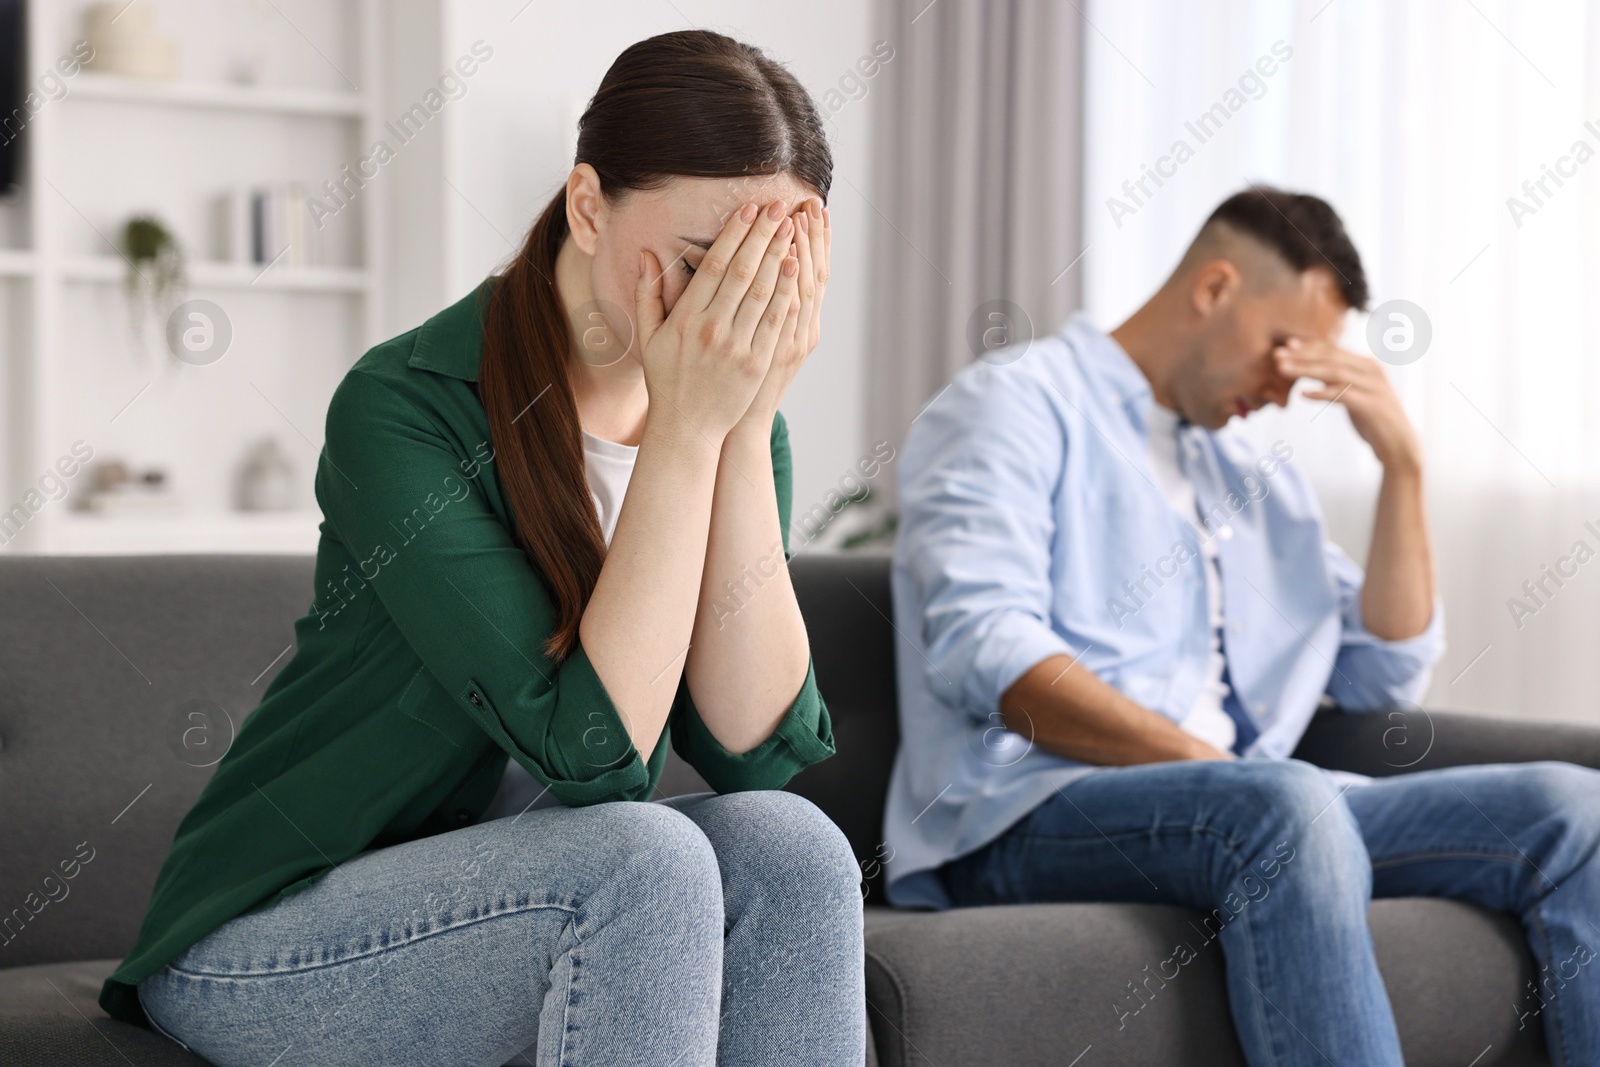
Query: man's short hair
pixel 1303 229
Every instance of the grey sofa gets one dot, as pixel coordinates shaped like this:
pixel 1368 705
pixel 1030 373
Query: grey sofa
pixel 104 663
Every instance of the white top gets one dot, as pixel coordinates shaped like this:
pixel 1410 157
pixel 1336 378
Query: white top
pixel 609 467
pixel 1206 718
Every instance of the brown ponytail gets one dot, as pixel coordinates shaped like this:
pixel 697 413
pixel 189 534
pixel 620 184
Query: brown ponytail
pixel 694 104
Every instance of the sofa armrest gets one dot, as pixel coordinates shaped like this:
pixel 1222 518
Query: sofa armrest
pixel 1382 743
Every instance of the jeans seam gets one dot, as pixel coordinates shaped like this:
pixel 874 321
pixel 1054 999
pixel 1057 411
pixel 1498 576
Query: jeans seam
pixel 1254 950
pixel 1559 1045
pixel 566 1007
pixel 1173 828
pixel 149 1017
pixel 226 975
pixel 1452 853
pixel 1254 979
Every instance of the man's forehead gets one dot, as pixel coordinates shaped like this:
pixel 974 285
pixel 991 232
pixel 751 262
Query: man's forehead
pixel 1317 305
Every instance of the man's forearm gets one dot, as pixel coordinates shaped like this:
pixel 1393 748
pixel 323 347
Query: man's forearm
pixel 1397 596
pixel 1064 708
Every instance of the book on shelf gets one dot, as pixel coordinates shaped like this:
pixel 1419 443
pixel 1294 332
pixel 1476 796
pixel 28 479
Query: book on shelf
pixel 266 224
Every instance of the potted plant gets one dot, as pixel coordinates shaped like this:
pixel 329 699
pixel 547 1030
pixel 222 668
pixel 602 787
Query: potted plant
pixel 155 273
pixel 877 525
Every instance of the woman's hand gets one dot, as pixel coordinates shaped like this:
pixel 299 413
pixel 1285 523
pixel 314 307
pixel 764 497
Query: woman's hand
pixel 813 239
pixel 707 360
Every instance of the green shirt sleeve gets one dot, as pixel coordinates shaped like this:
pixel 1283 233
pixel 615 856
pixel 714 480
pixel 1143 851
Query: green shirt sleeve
pixel 805 733
pixel 395 490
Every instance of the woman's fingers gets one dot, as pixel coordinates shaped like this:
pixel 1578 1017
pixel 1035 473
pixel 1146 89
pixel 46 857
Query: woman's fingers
pixel 746 262
pixel 648 309
pixel 789 335
pixel 819 248
pixel 821 267
pixel 764 286
pixel 778 310
pixel 806 244
pixel 702 288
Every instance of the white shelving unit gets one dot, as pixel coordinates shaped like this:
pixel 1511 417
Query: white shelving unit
pixel 115 147
pixel 284 531
pixel 226 97
pixel 208 275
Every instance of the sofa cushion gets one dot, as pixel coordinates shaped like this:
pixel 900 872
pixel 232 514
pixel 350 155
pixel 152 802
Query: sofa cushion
pixel 1042 984
pixel 49 1017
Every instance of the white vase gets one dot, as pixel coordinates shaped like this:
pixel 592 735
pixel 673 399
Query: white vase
pixel 125 42
pixel 266 483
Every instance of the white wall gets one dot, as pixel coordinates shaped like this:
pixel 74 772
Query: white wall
pixel 506 147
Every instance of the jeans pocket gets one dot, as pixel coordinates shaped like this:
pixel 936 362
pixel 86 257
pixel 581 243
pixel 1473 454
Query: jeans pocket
pixel 154 1025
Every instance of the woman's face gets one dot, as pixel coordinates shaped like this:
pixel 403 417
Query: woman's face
pixel 676 222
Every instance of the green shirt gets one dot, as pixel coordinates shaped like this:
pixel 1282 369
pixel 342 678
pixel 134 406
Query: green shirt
pixel 418 670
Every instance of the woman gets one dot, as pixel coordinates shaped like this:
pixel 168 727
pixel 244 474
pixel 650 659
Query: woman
pixel 366 879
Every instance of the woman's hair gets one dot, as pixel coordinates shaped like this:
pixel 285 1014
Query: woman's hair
pixel 694 104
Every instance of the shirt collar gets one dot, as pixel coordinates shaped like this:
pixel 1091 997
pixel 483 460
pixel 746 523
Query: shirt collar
pixel 451 342
pixel 1111 368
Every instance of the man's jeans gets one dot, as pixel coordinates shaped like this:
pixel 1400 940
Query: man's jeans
pixel 1284 861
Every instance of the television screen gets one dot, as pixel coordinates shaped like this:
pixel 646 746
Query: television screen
pixel 13 116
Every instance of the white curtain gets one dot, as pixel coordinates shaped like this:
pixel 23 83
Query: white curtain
pixel 1421 121
pixel 975 196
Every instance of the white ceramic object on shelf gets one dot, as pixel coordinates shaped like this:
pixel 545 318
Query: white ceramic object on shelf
pixel 125 41
pixel 132 500
pixel 266 482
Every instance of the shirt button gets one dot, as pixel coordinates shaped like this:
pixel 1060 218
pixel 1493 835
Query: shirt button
pixel 463 815
pixel 1261 709
pixel 1225 531
pixel 477 701
pixel 1237 628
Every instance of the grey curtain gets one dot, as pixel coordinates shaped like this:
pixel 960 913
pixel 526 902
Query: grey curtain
pixel 976 190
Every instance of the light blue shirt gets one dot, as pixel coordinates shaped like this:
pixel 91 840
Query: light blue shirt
pixel 1032 526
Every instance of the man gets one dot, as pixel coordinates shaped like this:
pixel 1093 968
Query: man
pixel 1119 617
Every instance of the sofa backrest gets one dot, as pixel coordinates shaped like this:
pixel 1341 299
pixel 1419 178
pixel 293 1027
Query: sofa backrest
pixel 847 608
pixel 119 678
pixel 123 678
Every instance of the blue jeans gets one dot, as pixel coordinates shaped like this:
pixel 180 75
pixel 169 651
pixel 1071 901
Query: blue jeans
pixel 1284 867
pixel 698 930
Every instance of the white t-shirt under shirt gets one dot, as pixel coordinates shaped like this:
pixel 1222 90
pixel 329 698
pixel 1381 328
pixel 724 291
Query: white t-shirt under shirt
pixel 1206 719
pixel 609 467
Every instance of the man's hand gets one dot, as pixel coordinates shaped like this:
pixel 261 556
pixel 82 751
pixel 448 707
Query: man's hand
pixel 1360 384
pixel 1397 596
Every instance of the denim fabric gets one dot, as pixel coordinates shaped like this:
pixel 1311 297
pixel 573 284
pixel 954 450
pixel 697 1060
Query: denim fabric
pixel 1283 862
pixel 699 930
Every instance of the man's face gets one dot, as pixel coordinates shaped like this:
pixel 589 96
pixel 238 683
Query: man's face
pixel 1231 370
